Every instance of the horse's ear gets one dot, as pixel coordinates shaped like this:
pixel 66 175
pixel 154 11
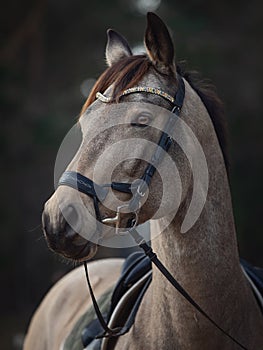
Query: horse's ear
pixel 117 47
pixel 159 44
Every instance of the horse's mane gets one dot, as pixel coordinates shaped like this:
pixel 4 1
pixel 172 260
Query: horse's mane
pixel 208 95
pixel 129 71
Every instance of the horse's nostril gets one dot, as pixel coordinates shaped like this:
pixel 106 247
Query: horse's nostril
pixel 52 225
pixel 65 224
pixel 74 237
pixel 71 216
pixel 69 231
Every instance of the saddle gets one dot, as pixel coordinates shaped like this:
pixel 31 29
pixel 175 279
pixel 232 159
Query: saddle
pixel 128 293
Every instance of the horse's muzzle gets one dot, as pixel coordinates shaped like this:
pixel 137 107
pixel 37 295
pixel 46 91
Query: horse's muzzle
pixel 62 239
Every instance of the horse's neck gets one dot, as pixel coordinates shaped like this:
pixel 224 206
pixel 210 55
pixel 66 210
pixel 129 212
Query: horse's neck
pixel 206 253
pixel 205 261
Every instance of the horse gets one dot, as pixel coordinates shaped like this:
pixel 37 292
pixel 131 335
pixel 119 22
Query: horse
pixel 125 103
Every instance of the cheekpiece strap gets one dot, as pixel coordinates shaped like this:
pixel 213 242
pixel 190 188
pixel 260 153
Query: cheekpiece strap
pixel 179 97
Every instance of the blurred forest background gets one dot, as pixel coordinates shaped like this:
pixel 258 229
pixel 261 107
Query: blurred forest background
pixel 51 52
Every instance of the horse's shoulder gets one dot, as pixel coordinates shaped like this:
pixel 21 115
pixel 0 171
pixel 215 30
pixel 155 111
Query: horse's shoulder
pixel 72 288
pixel 101 272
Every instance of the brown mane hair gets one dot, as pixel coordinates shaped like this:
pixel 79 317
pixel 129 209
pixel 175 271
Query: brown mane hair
pixel 215 108
pixel 129 71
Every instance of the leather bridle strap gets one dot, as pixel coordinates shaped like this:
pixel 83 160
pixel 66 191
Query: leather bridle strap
pixel 153 257
pixel 110 332
pixel 162 147
pixel 87 186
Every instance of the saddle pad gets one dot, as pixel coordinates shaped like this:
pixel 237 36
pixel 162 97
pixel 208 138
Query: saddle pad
pixel 73 341
pixel 135 266
pixel 254 276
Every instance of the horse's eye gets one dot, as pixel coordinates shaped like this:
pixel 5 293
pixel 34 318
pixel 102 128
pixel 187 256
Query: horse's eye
pixel 142 120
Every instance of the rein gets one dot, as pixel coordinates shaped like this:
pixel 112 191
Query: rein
pixel 138 189
pixel 118 331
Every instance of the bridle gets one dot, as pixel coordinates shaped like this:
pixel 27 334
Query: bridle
pixel 138 189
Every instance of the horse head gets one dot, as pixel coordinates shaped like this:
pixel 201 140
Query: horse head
pixel 121 123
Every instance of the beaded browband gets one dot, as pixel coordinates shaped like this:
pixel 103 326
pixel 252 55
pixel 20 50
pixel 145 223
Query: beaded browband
pixel 150 90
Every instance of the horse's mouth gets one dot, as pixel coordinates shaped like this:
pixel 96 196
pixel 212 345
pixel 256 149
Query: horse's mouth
pixel 85 252
pixel 76 252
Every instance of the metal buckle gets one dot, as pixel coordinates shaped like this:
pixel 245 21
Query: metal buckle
pixel 140 193
pixel 116 220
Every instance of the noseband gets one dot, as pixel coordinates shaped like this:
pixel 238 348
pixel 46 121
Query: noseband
pixel 139 187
